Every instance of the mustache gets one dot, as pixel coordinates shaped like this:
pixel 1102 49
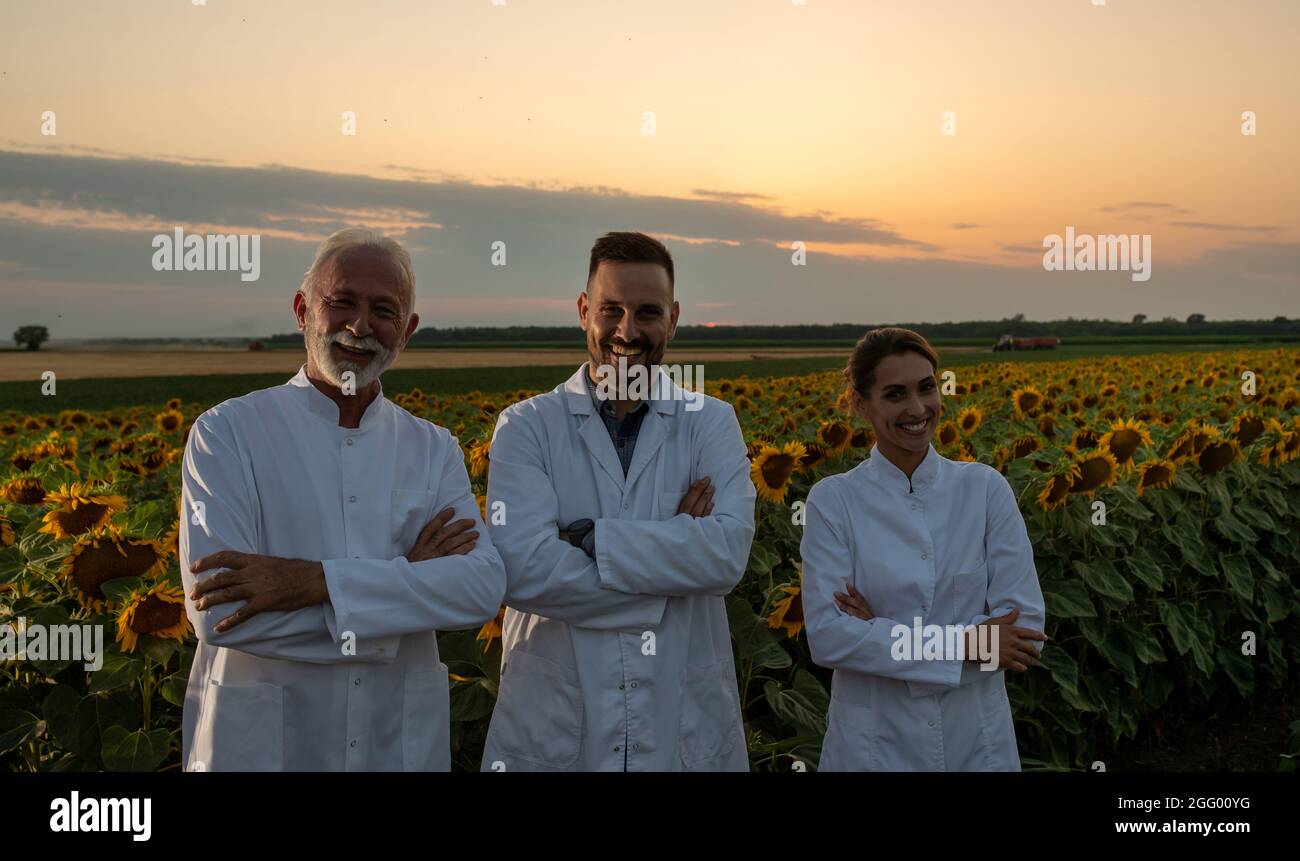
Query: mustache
pixel 370 342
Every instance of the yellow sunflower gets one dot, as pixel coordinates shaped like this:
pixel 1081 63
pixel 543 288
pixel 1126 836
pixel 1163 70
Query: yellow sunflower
pixel 79 509
pixel 1156 474
pixel 1124 438
pixel 479 457
pixel 948 434
pixel 96 559
pixel 969 420
pixel 1056 491
pixel 6 533
pixel 1218 455
pixel 491 630
pixel 1096 470
pixel 169 421
pixel 772 469
pixel 788 611
pixel 835 435
pixel 24 491
pixel 157 610
pixel 1083 440
pixel 1247 428
pixel 1026 401
pixel 816 453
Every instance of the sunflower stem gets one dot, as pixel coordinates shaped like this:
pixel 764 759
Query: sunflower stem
pixel 146 690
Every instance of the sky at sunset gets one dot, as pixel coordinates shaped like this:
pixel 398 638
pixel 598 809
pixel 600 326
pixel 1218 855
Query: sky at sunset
pixel 773 122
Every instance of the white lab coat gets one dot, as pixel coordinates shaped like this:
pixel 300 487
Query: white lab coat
pixel 273 473
pixel 950 547
pixel 623 661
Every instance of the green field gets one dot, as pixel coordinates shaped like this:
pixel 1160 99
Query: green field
pixel 102 394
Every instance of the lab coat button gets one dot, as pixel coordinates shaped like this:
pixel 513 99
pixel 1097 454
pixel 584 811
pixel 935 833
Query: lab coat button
pixel 352 743
pixel 924 556
pixel 626 506
pixel 636 747
pixel 356 682
pixel 621 686
pixel 931 723
pixel 634 684
pixel 352 499
pixel 349 440
pixel 617 748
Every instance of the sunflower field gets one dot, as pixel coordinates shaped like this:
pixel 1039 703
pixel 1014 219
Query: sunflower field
pixel 1161 494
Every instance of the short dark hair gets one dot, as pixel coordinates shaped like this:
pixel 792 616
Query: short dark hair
pixel 860 372
pixel 626 247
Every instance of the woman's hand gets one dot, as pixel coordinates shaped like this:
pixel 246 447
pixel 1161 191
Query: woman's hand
pixel 1015 645
pixel 854 604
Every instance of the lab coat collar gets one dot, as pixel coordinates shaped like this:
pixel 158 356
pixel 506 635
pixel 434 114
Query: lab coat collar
pixel 883 470
pixel 320 404
pixel 579 398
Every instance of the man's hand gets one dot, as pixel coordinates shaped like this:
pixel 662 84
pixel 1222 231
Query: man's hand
pixel 265 582
pixel 440 538
pixel 1015 645
pixel 698 501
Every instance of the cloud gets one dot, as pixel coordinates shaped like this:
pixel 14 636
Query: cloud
pixel 962 225
pixel 1145 206
pixel 76 231
pixel 1210 225
pixel 737 196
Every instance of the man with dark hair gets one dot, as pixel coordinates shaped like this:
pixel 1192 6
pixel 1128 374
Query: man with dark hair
pixel 627 517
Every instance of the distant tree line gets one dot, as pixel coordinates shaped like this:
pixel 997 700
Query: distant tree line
pixel 1139 326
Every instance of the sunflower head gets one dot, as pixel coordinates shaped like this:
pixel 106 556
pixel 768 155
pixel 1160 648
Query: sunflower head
pixel 969 420
pixel 948 434
pixel 1026 401
pixel 1247 428
pixel 479 457
pixel 1124 438
pixel 1056 492
pixel 158 610
pixel 815 454
pixel 96 559
pixel 23 490
pixel 169 421
pixel 1096 469
pixel 772 470
pixel 787 613
pixel 6 532
pixel 1156 474
pixel 79 508
pixel 835 435
pixel 1218 455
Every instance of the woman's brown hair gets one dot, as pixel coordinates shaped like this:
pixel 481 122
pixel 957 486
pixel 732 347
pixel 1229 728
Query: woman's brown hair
pixel 860 372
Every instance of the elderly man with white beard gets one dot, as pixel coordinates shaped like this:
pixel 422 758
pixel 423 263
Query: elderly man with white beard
pixel 326 535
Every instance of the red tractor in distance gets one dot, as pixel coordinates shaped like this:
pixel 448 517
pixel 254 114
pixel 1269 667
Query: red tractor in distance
pixel 1006 342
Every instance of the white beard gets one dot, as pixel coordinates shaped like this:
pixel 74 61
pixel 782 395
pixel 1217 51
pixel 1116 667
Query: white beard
pixel 318 346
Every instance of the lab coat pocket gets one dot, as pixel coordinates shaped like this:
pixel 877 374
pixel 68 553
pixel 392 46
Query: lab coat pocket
pixel 539 714
pixel 710 719
pixel 426 711
pixel 411 511
pixel 852 737
pixel 241 728
pixel 997 728
pixel 970 593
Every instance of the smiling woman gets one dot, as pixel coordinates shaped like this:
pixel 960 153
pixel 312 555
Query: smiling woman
pixel 910 537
